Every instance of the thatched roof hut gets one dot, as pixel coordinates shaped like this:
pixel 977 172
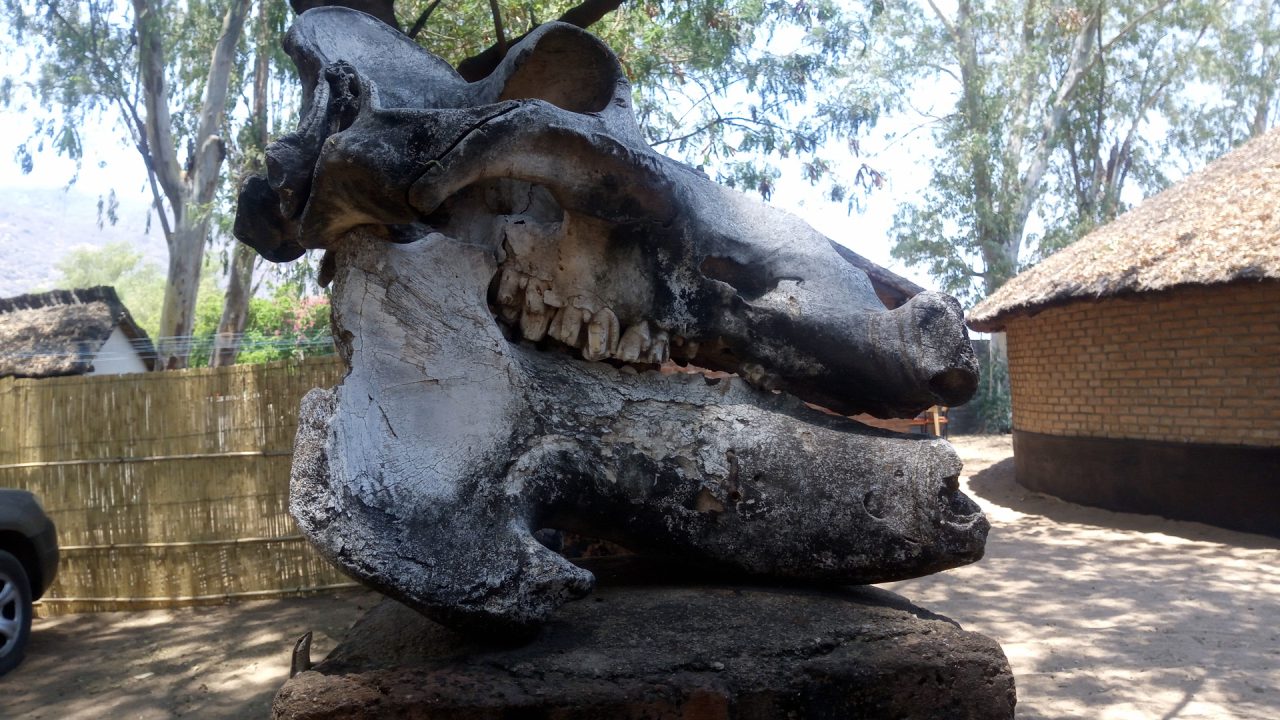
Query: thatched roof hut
pixel 1220 225
pixel 1144 360
pixel 71 332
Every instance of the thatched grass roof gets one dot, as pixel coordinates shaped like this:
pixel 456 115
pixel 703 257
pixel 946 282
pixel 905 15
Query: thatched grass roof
pixel 60 332
pixel 1217 226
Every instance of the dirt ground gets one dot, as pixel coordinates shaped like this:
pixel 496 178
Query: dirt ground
pixel 217 662
pixel 1109 615
pixel 1103 616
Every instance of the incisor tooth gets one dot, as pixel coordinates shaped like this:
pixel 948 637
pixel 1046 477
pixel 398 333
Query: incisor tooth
pixel 537 316
pixel 658 348
pixel 635 341
pixel 602 336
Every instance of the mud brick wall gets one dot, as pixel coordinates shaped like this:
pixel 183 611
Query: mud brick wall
pixel 1197 364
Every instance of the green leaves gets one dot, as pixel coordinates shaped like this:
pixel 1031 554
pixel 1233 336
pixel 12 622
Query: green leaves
pixel 1057 119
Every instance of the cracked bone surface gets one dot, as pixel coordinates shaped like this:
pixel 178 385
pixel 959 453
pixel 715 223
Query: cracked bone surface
pixel 511 266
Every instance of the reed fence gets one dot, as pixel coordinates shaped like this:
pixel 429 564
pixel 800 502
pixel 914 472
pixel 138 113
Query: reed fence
pixel 167 488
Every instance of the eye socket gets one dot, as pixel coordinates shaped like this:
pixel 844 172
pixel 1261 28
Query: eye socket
pixel 750 281
pixel 568 69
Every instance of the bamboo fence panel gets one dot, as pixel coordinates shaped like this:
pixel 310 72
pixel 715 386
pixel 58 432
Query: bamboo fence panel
pixel 166 488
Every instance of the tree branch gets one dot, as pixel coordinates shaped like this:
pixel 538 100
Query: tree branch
pixel 496 12
pixel 159 131
pixel 583 15
pixel 422 19
pixel 951 29
pixel 210 150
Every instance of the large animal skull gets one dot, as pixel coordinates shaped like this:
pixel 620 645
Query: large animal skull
pixel 512 265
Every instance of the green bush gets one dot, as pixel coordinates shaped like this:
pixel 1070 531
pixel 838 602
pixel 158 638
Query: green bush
pixel 993 401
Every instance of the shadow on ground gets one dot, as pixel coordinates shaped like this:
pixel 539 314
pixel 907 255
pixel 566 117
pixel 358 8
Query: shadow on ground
pixel 1112 615
pixel 225 661
pixel 998 485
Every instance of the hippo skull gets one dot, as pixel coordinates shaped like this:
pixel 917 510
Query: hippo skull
pixel 515 276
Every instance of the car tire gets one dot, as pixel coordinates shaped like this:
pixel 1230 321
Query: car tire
pixel 15 611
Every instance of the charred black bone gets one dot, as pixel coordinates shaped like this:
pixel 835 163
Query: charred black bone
pixel 526 214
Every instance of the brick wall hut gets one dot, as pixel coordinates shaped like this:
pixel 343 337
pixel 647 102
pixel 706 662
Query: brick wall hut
pixel 1145 358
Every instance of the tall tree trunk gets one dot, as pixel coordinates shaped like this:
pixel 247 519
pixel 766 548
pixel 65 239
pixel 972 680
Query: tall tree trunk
pixel 189 196
pixel 235 309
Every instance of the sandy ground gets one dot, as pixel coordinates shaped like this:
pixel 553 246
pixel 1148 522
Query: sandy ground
pixel 1103 615
pixel 1110 615
pixel 217 662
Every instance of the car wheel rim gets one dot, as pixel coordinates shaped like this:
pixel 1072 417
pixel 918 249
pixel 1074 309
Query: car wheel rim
pixel 11 615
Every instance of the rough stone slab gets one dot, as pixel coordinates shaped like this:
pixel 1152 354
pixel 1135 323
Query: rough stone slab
pixel 669 651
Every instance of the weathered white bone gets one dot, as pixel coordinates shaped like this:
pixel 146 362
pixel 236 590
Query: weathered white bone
pixel 567 325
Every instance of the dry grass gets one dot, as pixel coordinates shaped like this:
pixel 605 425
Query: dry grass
pixel 57 332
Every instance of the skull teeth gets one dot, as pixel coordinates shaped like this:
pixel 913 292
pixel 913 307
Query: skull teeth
pixel 602 336
pixel 531 307
pixel 759 378
pixel 566 326
pixel 659 348
pixel 634 342
pixel 537 315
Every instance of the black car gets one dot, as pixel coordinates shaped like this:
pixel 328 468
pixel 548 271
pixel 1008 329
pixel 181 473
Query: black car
pixel 28 564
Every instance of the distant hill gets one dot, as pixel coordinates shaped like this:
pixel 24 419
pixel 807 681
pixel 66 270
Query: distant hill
pixel 38 226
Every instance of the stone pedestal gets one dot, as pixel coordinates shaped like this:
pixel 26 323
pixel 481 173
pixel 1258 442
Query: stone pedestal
pixel 643 647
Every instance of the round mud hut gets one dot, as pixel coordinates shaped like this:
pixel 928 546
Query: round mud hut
pixel 1144 360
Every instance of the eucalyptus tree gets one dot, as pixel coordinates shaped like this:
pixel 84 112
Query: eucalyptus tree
pixel 1055 106
pixel 1238 70
pixel 163 69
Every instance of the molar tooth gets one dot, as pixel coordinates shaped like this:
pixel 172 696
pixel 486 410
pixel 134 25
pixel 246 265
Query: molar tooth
pixel 567 326
pixel 550 297
pixel 635 341
pixel 582 302
pixel 683 348
pixel 658 348
pixel 509 287
pixel 754 374
pixel 537 316
pixel 602 336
